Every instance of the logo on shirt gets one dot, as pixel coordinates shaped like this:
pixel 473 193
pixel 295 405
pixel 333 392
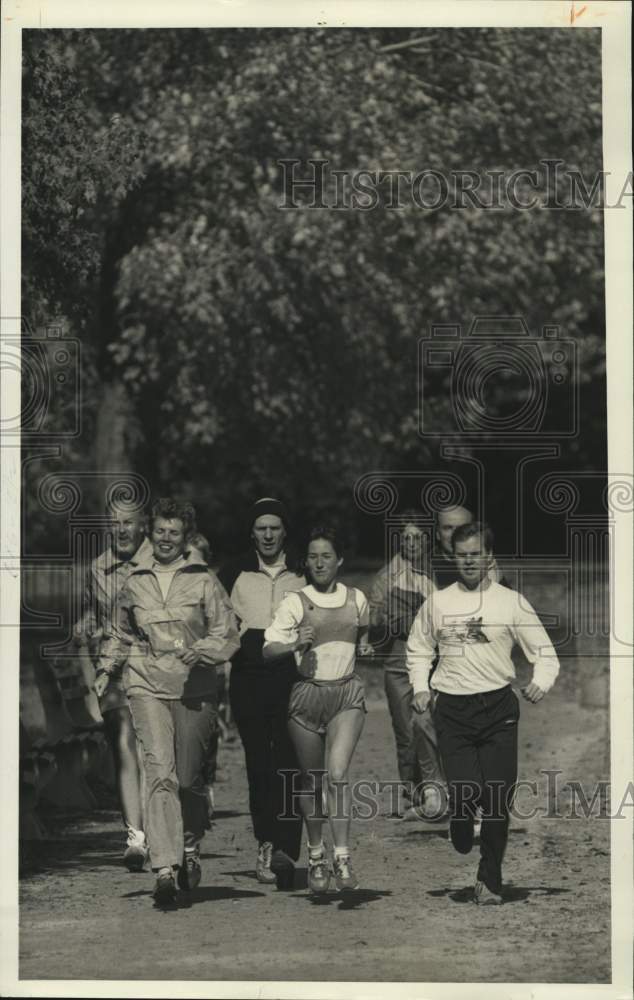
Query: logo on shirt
pixel 465 631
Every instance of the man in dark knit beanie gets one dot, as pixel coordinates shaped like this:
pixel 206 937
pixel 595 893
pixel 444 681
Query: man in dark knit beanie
pixel 260 690
pixel 268 505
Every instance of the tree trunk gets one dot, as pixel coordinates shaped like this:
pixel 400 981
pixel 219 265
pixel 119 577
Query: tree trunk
pixel 115 430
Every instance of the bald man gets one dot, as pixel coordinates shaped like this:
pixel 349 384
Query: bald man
pixel 443 564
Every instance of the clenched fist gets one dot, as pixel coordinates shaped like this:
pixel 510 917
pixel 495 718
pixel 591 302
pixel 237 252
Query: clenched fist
pixel 305 636
pixel 421 701
pixel 188 656
pixel 101 684
pixel 532 692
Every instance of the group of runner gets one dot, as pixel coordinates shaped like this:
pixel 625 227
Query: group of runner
pixel 161 624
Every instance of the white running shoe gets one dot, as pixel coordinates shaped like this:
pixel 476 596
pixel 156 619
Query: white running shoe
pixel 263 871
pixel 318 874
pixel 484 897
pixel 344 874
pixel 434 804
pixel 136 852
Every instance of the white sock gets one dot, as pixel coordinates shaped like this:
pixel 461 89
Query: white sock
pixel 316 852
pixel 342 852
pixel 134 834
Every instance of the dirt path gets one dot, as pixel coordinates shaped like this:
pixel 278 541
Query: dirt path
pixel 83 916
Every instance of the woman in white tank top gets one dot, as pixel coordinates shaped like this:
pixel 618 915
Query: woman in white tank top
pixel 326 625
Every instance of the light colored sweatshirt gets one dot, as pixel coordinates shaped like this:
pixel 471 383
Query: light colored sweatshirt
pixel 473 632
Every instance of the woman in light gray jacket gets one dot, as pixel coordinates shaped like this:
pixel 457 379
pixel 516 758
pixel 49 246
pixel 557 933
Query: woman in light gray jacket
pixel 174 626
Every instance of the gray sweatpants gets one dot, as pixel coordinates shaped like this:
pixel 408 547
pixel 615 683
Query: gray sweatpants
pixel 174 737
pixel 416 742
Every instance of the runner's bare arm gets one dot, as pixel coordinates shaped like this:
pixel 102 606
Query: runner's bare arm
pixel 286 633
pixel 364 646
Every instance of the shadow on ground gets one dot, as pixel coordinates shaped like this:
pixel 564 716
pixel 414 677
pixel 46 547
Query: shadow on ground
pixel 510 893
pixel 352 900
pixel 204 894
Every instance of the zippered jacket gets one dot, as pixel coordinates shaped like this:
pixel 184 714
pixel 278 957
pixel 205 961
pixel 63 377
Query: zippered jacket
pixel 255 597
pixel 396 596
pixel 150 631
pixel 104 580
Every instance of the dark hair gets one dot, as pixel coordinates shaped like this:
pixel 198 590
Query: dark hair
pixel 198 541
pixel 409 515
pixel 329 534
pixel 168 508
pixel 467 531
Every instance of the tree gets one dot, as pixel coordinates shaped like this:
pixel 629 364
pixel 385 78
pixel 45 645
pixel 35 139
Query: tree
pixel 260 346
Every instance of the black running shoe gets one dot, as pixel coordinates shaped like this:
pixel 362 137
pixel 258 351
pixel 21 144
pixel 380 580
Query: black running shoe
pixel 461 833
pixel 189 873
pixel 283 868
pixel 165 889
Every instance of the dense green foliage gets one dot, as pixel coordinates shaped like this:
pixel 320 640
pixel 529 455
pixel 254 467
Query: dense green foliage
pixel 264 348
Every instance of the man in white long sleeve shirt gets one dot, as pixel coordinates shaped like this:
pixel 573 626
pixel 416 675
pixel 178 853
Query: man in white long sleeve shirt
pixel 472 626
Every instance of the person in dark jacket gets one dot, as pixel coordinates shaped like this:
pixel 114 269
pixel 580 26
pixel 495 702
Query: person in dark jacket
pixel 259 690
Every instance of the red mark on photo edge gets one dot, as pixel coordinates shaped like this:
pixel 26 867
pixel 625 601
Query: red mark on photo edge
pixel 574 14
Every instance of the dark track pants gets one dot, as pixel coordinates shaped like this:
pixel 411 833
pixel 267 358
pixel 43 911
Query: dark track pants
pixel 477 736
pixel 259 703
